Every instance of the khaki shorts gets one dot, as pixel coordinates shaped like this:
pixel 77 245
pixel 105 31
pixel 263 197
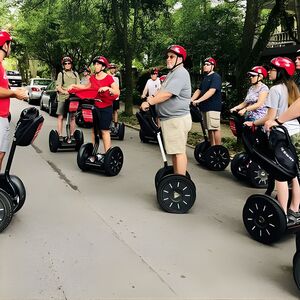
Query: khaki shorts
pixel 175 133
pixel 61 108
pixel 211 120
pixel 4 134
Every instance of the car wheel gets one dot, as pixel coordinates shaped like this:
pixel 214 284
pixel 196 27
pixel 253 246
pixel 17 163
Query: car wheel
pixel 52 110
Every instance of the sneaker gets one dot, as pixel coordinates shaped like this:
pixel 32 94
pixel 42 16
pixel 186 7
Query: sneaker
pixel 61 138
pixel 293 217
pixel 92 158
pixel 100 158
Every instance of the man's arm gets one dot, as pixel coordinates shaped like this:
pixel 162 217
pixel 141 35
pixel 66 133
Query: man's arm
pixel 160 97
pixel 16 93
pixel 206 96
pixel 196 95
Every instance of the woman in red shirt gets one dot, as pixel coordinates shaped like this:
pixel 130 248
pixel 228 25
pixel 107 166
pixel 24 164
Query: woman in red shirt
pixel 108 91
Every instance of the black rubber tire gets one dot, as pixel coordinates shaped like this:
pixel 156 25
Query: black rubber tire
pixel 41 106
pixel 200 150
pixel 238 165
pixel 298 241
pixel 164 171
pixel 78 136
pixel 216 158
pixel 53 141
pixel 176 194
pixel 296 268
pixel 19 200
pixel 6 210
pixel 83 154
pixel 113 161
pixel 121 132
pixel 257 176
pixel 264 219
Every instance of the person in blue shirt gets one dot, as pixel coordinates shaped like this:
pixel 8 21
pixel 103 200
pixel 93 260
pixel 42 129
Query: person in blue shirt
pixel 209 97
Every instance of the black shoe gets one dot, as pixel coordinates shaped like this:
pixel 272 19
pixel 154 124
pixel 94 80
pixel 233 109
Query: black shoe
pixel 293 217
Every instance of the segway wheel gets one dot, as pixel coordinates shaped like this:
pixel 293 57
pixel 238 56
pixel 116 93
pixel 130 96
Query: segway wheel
pixel 121 132
pixel 78 136
pixel 298 241
pixel 238 165
pixel 19 200
pixel 6 210
pixel 296 268
pixel 83 154
pixel 113 161
pixel 176 194
pixel 258 177
pixel 216 158
pixel 199 151
pixel 264 219
pixel 53 140
pixel 162 172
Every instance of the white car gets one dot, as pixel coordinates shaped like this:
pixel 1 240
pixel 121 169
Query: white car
pixel 14 78
pixel 35 88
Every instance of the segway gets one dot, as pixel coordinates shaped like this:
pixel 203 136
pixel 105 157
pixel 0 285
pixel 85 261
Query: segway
pixel 242 167
pixel 69 142
pixel 117 131
pixel 12 192
pixel 111 162
pixel 148 126
pixel 215 157
pixel 175 193
pixel 263 217
pixel 296 261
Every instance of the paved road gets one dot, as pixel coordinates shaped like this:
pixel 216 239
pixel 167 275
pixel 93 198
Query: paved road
pixel 87 236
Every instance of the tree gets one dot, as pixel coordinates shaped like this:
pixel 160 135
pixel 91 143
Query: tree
pixel 132 20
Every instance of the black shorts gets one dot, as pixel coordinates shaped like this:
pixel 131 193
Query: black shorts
pixel 104 117
pixel 116 104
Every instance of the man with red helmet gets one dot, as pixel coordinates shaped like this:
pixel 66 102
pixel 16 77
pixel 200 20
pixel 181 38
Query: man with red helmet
pixel 152 84
pixel 281 95
pixel 6 94
pixel 64 80
pixel 112 70
pixel 210 98
pixel 253 107
pixel 108 91
pixel 172 106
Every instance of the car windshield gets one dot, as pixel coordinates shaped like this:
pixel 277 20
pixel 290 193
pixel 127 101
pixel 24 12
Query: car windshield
pixel 41 81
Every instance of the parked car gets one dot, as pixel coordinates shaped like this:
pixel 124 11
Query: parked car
pixel 48 100
pixel 35 87
pixel 14 78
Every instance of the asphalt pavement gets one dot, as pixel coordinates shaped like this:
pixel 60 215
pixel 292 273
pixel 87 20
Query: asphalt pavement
pixel 82 235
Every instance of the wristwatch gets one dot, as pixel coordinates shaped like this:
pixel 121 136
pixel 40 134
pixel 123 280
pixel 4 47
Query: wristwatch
pixel 278 122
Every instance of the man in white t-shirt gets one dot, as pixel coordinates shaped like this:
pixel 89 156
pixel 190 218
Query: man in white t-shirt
pixel 153 84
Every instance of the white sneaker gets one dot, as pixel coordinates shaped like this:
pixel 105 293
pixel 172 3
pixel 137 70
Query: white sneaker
pixel 100 157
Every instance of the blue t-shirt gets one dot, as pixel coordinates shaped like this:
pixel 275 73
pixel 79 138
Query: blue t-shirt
pixel 214 103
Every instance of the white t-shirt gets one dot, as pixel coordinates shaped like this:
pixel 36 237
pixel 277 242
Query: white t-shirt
pixel 278 98
pixel 152 86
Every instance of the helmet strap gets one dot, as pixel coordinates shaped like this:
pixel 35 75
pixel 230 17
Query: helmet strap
pixel 176 65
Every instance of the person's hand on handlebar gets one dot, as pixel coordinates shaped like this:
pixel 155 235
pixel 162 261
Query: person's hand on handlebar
pixel 145 106
pixel 249 123
pixel 269 124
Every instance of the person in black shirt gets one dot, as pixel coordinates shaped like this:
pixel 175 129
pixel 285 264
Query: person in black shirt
pixel 209 97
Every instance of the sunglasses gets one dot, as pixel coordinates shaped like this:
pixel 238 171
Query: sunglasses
pixel 170 56
pixel 207 64
pixel 67 63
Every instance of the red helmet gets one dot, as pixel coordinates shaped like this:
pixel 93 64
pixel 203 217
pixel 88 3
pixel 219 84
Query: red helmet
pixel 4 37
pixel 101 60
pixel 258 70
pixel 65 59
pixel 178 50
pixel 112 66
pixel 284 63
pixel 154 71
pixel 211 61
pixel 162 78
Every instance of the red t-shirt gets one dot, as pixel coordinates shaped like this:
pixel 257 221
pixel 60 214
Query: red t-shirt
pixel 4 102
pixel 106 97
